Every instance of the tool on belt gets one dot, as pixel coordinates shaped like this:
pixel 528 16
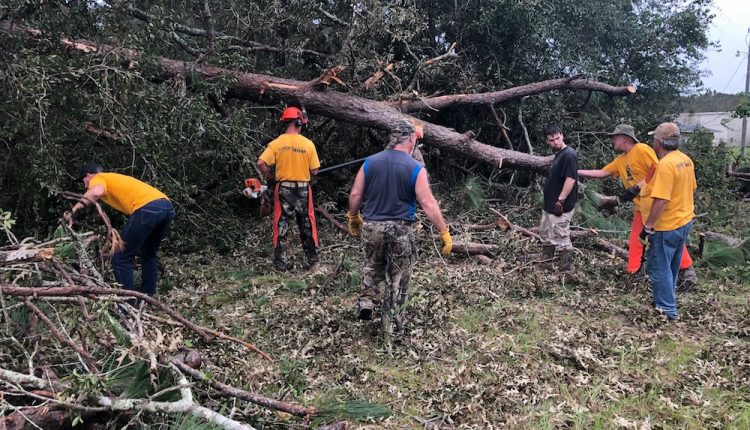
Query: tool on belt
pixel 255 189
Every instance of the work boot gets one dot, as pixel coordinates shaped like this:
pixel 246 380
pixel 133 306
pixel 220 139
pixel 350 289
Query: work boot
pixel 313 267
pixel 687 280
pixel 279 266
pixel 548 254
pixel 566 262
pixel 365 306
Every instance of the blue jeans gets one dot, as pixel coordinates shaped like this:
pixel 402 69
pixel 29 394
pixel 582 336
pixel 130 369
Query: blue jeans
pixel 143 234
pixel 663 264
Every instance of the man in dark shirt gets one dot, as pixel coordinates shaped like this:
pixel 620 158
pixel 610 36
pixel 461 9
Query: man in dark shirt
pixel 560 196
pixel 389 184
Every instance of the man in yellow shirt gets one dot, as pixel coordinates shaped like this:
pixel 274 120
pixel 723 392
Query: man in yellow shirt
pixel 150 214
pixel 296 161
pixel 632 166
pixel 667 205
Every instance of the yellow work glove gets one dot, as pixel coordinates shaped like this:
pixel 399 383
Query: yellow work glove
pixel 447 241
pixel 355 224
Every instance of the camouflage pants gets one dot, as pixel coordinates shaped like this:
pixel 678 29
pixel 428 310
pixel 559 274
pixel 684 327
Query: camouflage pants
pixel 390 252
pixel 293 204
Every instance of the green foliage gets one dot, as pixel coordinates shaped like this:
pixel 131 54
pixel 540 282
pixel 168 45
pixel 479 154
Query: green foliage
pixel 6 220
pixel 714 187
pixel 335 405
pixel 293 372
pixel 472 194
pixel 743 107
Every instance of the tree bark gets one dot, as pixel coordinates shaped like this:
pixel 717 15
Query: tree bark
pixel 495 97
pixel 345 107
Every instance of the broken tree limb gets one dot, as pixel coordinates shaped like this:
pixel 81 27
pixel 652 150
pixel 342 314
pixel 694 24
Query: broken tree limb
pixel 339 226
pixel 469 248
pixel 278 405
pixel 186 404
pixel 340 106
pixel 25 255
pixel 204 333
pixel 495 97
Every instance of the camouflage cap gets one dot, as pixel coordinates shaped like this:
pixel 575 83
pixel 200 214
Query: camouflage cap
pixel 403 128
pixel 625 130
pixel 666 130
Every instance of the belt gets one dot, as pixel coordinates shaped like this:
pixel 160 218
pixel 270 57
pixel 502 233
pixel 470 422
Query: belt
pixel 294 184
pixel 391 221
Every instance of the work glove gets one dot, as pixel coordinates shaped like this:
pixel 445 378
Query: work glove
pixel 271 184
pixel 629 194
pixel 645 236
pixel 355 224
pixel 558 209
pixel 447 241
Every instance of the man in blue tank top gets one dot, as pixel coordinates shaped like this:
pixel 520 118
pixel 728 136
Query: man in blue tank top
pixel 389 185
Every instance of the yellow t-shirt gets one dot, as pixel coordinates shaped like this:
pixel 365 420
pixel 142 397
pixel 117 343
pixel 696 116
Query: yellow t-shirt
pixel 632 167
pixel 674 181
pixel 125 193
pixel 294 156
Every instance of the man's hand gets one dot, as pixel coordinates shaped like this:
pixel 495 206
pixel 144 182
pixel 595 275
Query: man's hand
pixel 629 194
pixel 271 184
pixel 558 209
pixel 355 224
pixel 645 235
pixel 447 241
pixel 68 217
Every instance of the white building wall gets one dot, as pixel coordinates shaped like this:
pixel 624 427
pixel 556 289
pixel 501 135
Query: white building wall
pixel 721 124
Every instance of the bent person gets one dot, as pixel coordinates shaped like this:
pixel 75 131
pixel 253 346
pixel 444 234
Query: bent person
pixel 150 214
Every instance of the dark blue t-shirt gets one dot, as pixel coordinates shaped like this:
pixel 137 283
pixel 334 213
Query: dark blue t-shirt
pixel 390 177
pixel 564 165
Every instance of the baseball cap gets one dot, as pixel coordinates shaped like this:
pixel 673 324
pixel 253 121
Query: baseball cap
pixel 666 130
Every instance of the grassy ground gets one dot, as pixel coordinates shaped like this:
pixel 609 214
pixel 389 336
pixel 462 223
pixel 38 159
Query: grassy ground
pixel 498 346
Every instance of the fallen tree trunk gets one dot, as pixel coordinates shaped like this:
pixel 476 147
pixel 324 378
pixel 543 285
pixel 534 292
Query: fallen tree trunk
pixel 340 106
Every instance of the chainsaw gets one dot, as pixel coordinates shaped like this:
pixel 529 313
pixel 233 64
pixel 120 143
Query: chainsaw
pixel 255 189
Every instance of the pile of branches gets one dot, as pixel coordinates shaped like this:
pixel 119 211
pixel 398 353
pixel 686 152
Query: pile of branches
pixel 75 349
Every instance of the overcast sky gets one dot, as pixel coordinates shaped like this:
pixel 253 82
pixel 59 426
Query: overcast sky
pixel 725 71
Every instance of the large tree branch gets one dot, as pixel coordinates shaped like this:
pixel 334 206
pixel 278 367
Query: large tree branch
pixel 443 102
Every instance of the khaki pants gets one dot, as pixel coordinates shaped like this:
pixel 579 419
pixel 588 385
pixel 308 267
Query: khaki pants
pixel 555 230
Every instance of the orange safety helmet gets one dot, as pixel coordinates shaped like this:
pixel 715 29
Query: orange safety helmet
pixel 292 113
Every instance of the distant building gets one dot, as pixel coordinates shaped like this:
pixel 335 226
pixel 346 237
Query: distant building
pixel 720 124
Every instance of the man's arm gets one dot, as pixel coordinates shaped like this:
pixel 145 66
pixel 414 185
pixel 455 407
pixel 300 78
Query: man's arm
pixel 657 209
pixel 264 170
pixel 567 188
pixel 600 173
pixel 313 172
pixel 358 189
pixel 91 195
pixel 428 203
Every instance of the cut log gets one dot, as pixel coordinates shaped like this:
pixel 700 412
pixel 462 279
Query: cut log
pixel 25 255
pixel 340 106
